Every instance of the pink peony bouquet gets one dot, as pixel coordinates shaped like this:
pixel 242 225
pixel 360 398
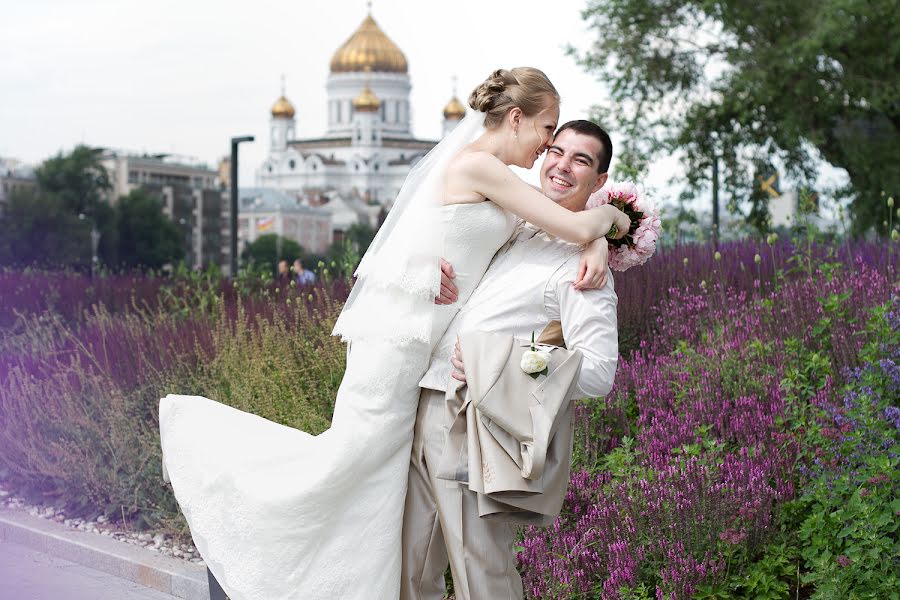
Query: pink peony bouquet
pixel 640 242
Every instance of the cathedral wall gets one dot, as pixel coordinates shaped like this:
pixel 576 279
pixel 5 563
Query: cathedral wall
pixel 391 88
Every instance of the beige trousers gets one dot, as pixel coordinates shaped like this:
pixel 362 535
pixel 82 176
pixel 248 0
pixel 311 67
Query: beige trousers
pixel 441 525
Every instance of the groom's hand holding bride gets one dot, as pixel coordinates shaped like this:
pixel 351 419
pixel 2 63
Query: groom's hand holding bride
pixel 459 370
pixel 449 291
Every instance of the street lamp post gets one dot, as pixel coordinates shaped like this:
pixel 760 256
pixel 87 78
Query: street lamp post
pixel 234 200
pixel 95 243
pixel 188 233
pixel 715 200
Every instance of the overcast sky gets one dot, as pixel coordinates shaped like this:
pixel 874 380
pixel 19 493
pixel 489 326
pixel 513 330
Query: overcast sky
pixel 184 76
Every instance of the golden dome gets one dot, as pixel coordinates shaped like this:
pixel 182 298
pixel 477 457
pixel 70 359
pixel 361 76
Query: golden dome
pixel 368 47
pixel 283 108
pixel 454 109
pixel 367 101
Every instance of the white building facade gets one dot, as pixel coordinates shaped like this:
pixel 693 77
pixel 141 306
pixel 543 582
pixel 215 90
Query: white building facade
pixel 190 195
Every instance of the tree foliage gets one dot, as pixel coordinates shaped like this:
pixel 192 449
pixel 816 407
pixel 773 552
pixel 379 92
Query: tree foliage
pixel 51 225
pixel 343 256
pixel 756 83
pixel 264 251
pixel 37 230
pixel 78 179
pixel 360 235
pixel 147 239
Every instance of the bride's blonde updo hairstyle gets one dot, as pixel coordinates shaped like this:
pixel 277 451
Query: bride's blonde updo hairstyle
pixel 525 88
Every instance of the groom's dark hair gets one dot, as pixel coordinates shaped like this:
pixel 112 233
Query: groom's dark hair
pixel 595 131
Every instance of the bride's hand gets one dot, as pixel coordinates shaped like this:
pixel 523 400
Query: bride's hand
pixel 593 266
pixel 617 218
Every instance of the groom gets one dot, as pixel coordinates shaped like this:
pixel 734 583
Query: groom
pixel 529 283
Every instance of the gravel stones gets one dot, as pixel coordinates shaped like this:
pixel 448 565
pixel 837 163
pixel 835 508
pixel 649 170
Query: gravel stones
pixel 159 542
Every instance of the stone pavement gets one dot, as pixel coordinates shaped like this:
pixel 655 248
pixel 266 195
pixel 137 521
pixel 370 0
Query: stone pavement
pixel 27 574
pixel 38 556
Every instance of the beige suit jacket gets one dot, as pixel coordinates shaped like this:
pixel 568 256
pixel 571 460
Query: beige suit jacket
pixel 511 438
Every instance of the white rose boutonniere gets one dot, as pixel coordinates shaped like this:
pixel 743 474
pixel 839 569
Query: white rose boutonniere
pixel 535 362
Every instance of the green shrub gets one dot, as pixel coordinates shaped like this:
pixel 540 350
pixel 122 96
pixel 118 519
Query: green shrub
pixel 79 401
pixel 284 366
pixel 76 439
pixel 848 511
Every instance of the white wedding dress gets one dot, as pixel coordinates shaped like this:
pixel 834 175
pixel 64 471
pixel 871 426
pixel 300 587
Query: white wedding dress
pixel 279 514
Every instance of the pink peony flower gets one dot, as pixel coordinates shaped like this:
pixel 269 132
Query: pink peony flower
pixel 640 243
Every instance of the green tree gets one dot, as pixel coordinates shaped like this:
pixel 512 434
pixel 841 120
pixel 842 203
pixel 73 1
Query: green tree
pixel 360 236
pixel 78 179
pixel 263 252
pixel 50 226
pixel 679 225
pixel 37 229
pixel 754 81
pixel 147 239
pixel 343 257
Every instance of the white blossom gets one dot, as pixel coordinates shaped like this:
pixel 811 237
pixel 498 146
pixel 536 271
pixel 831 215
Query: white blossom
pixel 535 361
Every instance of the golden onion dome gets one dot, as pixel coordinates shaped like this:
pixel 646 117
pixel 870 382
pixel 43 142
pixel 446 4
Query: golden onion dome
pixel 283 108
pixel 454 109
pixel 368 47
pixel 367 101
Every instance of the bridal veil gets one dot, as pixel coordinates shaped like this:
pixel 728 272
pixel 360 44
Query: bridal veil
pixel 399 276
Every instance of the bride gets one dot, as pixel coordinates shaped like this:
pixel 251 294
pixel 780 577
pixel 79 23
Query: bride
pixel 279 514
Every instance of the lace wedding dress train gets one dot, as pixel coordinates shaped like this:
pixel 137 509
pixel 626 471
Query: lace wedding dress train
pixel 279 514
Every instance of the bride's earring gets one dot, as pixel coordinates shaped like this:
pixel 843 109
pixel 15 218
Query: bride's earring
pixel 516 132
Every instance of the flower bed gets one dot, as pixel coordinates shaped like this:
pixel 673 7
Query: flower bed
pixel 79 397
pixel 687 468
pixel 744 406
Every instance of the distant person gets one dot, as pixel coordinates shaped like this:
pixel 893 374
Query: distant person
pixel 283 273
pixel 303 276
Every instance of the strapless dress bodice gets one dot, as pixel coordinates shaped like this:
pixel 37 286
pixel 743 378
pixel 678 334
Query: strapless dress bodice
pixel 473 234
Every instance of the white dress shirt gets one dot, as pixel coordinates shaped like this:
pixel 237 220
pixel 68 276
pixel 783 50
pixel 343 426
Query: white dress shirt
pixel 529 284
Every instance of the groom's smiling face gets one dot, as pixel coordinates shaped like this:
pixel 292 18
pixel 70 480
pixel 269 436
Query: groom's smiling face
pixel 569 173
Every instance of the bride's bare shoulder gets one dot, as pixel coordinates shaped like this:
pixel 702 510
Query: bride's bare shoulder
pixel 467 176
pixel 474 164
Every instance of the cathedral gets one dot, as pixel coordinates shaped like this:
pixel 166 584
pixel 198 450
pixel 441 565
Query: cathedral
pixel 368 148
